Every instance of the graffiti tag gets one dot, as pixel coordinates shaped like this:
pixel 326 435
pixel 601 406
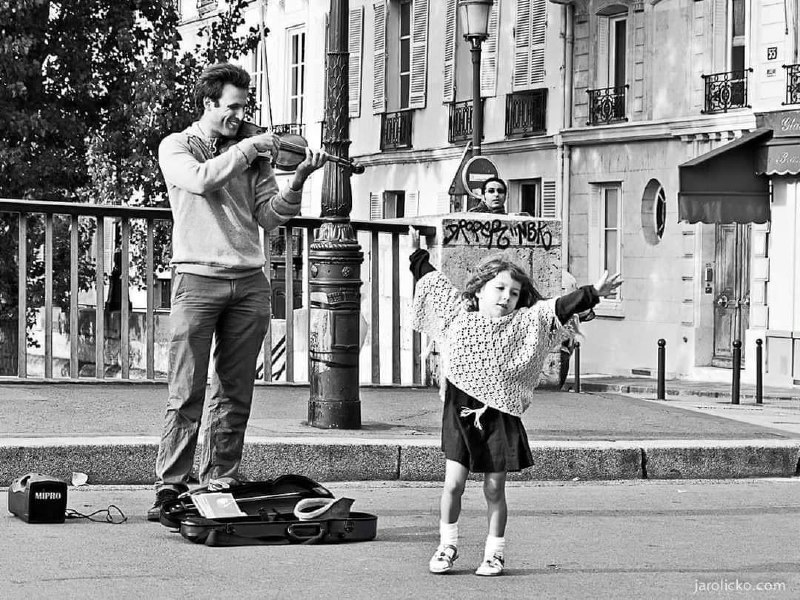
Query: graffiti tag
pixel 498 234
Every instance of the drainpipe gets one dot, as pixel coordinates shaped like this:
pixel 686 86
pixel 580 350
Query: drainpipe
pixel 567 37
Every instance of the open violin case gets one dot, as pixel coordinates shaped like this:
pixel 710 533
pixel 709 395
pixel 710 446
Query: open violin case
pixel 291 509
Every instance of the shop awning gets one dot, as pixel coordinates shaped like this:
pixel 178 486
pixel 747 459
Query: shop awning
pixel 779 156
pixel 723 186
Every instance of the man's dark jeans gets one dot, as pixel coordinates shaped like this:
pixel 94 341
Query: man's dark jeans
pixel 236 313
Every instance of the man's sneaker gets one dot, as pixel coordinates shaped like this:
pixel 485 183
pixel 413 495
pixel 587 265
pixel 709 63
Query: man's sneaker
pixel 162 496
pixel 443 559
pixel 491 567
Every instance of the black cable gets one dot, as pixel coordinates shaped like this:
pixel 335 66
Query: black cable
pixel 111 516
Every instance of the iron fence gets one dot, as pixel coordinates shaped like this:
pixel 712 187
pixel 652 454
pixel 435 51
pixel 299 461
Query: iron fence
pixel 88 336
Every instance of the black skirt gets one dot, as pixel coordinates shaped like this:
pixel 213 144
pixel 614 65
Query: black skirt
pixel 500 445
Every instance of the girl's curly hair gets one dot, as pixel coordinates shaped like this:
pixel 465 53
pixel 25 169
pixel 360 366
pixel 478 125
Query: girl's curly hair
pixel 488 270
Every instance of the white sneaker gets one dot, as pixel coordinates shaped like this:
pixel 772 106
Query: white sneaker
pixel 443 559
pixel 491 567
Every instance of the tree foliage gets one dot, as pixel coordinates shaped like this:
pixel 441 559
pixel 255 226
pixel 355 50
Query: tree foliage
pixel 88 88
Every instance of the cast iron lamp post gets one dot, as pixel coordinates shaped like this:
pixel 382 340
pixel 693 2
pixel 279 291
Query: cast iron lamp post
pixel 475 19
pixel 335 260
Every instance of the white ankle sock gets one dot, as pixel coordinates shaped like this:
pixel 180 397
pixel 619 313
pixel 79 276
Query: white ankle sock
pixel 494 546
pixel 448 533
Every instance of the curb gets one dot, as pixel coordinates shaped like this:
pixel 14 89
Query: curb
pixel 636 389
pixel 129 461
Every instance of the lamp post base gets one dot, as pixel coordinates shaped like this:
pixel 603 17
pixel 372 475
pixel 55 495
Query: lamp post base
pixel 334 414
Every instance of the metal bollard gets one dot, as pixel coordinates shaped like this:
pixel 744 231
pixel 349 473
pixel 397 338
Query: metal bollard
pixel 759 381
pixel 737 366
pixel 577 353
pixel 661 366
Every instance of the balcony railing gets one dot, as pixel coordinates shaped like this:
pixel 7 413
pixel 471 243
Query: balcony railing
pixel 725 91
pixel 459 123
pixel 76 329
pixel 607 105
pixel 206 6
pixel 396 130
pixel 284 128
pixel 792 84
pixel 526 113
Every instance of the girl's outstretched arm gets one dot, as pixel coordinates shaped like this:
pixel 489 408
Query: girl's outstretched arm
pixel 606 285
pixel 419 258
pixel 586 297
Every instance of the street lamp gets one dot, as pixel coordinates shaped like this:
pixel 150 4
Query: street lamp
pixel 335 259
pixel 475 18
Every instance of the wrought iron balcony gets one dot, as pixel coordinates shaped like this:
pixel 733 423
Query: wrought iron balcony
pixel 792 84
pixel 396 130
pixel 206 6
pixel 459 126
pixel 725 91
pixel 526 113
pixel 284 128
pixel 607 105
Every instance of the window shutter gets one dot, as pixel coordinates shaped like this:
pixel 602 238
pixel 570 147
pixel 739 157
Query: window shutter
pixel 355 33
pixel 602 79
pixel 375 206
pixel 442 203
pixel 522 45
pixel 538 34
pixel 530 34
pixel 412 204
pixel 419 55
pixel 719 38
pixel 489 54
pixel 549 199
pixel 379 59
pixel 450 52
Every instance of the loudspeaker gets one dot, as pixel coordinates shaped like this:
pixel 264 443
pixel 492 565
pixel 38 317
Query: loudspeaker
pixel 36 498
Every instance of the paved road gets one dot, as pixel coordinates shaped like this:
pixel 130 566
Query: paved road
pixel 643 539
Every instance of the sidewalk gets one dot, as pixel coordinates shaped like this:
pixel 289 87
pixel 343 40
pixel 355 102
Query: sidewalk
pixel 615 429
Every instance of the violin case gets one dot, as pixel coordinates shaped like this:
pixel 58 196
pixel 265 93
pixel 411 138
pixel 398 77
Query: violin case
pixel 271 510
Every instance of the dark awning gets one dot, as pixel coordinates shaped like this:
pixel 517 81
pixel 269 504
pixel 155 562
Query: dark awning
pixel 779 156
pixel 722 186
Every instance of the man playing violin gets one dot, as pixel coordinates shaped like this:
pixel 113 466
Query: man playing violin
pixel 220 195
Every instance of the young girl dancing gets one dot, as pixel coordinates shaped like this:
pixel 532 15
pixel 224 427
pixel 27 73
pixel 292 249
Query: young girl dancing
pixel 494 338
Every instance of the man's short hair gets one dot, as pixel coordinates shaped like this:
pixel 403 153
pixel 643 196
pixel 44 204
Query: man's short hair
pixel 213 79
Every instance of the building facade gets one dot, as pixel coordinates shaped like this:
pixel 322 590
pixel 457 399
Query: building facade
pixel 597 112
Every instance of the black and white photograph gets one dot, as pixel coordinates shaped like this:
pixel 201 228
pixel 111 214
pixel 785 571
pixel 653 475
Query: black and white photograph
pixel 400 299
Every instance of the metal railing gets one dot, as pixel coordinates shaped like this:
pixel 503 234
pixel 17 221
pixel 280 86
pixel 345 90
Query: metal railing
pixel 459 122
pixel 284 128
pixel 396 130
pixel 526 113
pixel 792 84
pixel 89 334
pixel 607 105
pixel 725 91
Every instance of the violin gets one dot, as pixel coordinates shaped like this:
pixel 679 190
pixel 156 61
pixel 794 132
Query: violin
pixel 292 150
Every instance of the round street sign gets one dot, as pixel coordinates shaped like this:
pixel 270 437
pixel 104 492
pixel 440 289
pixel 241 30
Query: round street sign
pixel 477 170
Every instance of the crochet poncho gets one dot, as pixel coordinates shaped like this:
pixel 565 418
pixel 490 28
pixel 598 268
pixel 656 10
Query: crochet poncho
pixel 497 361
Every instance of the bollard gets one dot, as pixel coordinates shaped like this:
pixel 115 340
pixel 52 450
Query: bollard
pixel 737 366
pixel 577 353
pixel 661 365
pixel 759 381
